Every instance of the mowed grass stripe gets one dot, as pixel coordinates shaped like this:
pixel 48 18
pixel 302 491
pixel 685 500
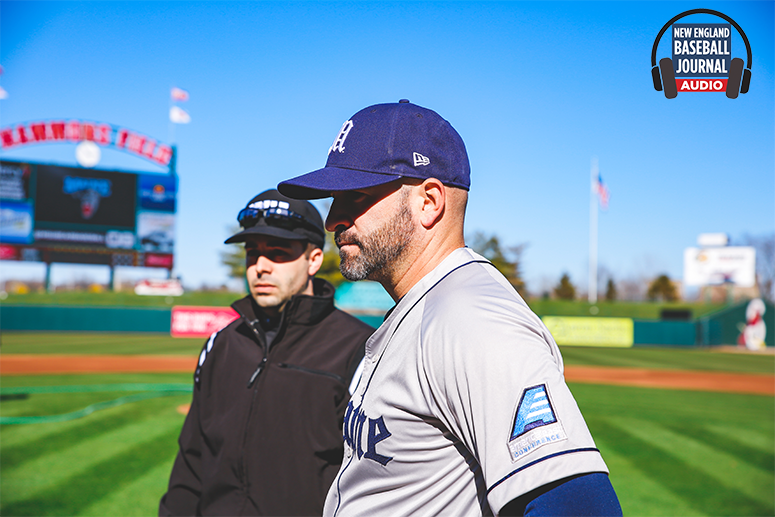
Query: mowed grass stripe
pixel 46 472
pixel 705 494
pixel 638 493
pixel 26 444
pixel 762 440
pixel 660 405
pixel 137 498
pixel 731 471
pixel 88 379
pixel 728 440
pixel 50 404
pixel 72 495
pixel 19 435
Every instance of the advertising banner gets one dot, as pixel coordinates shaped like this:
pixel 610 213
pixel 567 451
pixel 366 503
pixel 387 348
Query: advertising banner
pixel 157 192
pixel 156 231
pixel 724 265
pixel 153 287
pixel 15 222
pixel 580 331
pixel 189 321
pixel 14 181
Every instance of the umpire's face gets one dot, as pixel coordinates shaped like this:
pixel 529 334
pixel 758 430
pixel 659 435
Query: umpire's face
pixel 278 269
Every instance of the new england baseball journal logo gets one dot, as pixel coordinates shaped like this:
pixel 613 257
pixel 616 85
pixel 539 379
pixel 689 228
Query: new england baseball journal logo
pixel 701 58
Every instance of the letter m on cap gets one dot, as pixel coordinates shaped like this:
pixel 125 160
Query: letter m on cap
pixel 338 144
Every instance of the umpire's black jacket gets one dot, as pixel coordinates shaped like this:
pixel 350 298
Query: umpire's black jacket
pixel 264 432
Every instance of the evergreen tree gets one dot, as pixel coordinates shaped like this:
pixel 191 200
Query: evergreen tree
pixel 234 257
pixel 565 290
pixel 610 291
pixel 490 248
pixel 330 268
pixel 663 288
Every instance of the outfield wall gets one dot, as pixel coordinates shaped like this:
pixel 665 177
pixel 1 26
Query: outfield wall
pixel 722 328
pixel 98 319
pixel 89 319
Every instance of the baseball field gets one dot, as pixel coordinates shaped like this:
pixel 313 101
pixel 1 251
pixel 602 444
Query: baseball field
pixel 90 422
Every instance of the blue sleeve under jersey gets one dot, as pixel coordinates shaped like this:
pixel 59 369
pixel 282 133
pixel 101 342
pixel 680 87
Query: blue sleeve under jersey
pixel 588 495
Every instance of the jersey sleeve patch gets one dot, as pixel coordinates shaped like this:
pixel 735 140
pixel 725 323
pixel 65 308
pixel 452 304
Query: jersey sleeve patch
pixel 535 423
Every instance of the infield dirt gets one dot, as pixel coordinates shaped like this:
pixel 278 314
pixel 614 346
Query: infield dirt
pixel 757 384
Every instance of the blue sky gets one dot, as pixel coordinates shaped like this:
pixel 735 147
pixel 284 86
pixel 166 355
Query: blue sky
pixel 536 90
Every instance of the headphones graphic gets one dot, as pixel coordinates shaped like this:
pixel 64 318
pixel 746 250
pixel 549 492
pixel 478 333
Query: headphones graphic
pixel 736 72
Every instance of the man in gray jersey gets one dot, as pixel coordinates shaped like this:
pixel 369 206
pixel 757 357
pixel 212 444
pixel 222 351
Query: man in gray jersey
pixel 462 408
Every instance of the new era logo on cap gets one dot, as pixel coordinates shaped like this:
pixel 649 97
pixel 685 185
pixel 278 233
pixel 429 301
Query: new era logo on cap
pixel 420 159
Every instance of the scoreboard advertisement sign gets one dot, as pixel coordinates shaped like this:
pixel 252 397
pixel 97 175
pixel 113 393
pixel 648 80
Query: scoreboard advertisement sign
pixel 719 266
pixel 50 213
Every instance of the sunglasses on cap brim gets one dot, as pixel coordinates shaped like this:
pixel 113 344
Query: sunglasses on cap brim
pixel 274 216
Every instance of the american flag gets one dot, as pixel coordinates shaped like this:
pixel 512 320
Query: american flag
pixel 601 190
pixel 178 94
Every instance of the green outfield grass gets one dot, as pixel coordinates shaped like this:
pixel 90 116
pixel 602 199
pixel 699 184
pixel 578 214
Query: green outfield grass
pixel 123 299
pixel 666 358
pixel 684 453
pixel 637 310
pixel 670 452
pixel 112 462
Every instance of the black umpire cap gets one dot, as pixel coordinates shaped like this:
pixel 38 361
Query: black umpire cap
pixel 271 213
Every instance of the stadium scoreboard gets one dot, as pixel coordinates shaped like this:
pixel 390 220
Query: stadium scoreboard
pixel 51 213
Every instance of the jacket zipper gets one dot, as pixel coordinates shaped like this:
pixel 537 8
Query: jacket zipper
pixel 257 372
pixel 251 382
pixel 309 370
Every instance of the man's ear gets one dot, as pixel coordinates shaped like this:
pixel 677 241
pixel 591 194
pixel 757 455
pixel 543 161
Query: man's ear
pixel 315 260
pixel 434 201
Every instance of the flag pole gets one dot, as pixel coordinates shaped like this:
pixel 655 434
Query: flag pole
pixel 593 233
pixel 169 118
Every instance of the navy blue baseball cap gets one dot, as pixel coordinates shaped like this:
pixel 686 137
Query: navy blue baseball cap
pixel 383 143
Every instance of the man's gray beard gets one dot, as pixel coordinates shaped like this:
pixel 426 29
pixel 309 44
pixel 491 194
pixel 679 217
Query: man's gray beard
pixel 379 250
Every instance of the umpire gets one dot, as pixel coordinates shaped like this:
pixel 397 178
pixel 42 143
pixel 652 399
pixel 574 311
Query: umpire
pixel 264 432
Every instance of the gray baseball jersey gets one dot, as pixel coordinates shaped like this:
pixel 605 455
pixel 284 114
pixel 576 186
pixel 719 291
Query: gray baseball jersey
pixel 462 405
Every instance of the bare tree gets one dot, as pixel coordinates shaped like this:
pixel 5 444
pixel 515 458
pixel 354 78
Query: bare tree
pixel 633 289
pixel 765 262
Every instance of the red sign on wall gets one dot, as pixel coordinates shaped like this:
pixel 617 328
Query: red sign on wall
pixel 188 321
pixel 8 252
pixel 155 260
